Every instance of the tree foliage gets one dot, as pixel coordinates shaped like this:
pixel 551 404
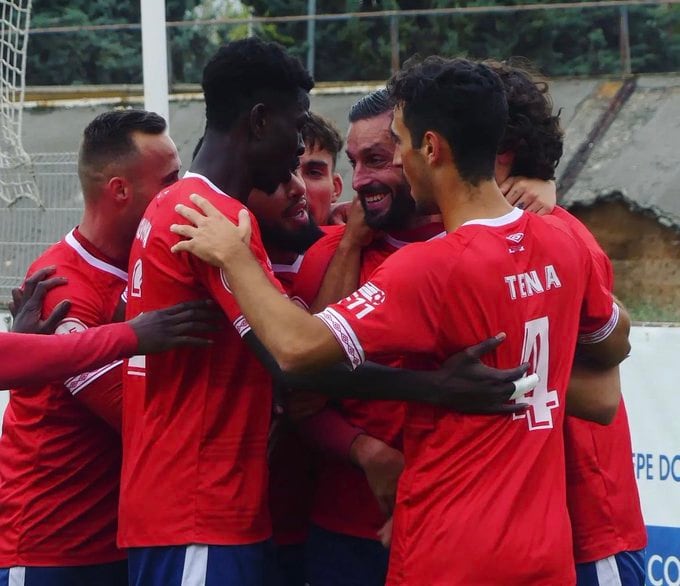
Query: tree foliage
pixel 558 41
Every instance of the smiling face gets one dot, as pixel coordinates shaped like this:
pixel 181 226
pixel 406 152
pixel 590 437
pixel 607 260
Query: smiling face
pixel 382 188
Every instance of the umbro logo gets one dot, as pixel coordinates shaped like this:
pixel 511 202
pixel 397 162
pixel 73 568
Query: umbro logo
pixel 516 237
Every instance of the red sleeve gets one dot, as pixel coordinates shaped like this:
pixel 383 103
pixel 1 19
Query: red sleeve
pixel 215 281
pixel 599 312
pixel 61 356
pixel 395 312
pixel 329 432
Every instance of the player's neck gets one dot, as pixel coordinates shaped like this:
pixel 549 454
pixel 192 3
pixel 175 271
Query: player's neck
pixel 106 236
pixel 222 160
pixel 468 202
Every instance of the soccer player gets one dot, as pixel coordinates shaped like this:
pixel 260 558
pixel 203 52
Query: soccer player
pixel 344 546
pixel 317 165
pixel 196 422
pixel 604 506
pixel 481 500
pixel 60 447
pixel 288 228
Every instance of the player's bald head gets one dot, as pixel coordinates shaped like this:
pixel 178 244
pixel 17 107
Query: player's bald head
pixel 109 145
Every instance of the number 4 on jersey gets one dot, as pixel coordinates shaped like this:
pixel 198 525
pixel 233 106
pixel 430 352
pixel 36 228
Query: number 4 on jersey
pixel 535 351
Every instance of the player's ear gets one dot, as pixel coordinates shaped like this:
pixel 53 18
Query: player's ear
pixel 119 188
pixel 432 147
pixel 337 187
pixel 258 120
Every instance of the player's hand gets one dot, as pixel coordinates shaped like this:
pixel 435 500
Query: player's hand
pixel 470 386
pixel 179 325
pixel 211 236
pixel 339 213
pixel 382 466
pixel 27 303
pixel 357 232
pixel 385 533
pixel 533 195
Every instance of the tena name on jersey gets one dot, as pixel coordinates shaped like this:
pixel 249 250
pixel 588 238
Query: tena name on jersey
pixel 532 282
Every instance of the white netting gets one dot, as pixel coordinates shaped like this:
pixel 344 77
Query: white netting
pixel 26 230
pixel 17 178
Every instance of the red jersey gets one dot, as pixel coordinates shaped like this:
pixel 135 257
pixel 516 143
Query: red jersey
pixel 60 356
pixel 602 495
pixel 60 463
pixel 291 482
pixel 482 498
pixel 195 420
pixel 359 515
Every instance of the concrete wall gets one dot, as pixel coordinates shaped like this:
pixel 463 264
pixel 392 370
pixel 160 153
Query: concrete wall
pixel 645 255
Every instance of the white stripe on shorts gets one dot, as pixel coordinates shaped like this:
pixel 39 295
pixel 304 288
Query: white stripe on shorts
pixel 608 572
pixel 17 576
pixel 195 565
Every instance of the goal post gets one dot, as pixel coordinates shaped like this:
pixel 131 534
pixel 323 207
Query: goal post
pixel 155 58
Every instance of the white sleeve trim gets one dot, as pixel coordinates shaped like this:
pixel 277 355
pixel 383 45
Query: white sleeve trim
pixel 604 332
pixel 242 326
pixel 344 334
pixel 79 382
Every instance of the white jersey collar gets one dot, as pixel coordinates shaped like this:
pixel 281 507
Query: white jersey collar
pixel 504 220
pixel 92 260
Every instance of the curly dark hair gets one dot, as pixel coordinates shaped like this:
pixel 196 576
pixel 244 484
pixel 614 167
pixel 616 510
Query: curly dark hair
pixel 533 132
pixel 463 101
pixel 319 132
pixel 245 72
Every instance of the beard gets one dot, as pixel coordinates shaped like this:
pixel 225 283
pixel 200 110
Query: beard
pixel 402 207
pixel 297 241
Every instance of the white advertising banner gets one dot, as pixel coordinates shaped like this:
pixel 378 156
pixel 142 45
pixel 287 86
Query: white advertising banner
pixel 651 387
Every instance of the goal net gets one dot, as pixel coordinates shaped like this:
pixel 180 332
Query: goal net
pixel 17 179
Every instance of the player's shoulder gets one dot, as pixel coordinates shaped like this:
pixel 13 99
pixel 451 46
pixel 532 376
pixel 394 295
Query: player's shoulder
pixel 324 248
pixel 577 227
pixel 434 257
pixel 89 288
pixel 180 191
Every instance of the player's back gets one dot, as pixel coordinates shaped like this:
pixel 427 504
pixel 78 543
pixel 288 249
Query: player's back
pixel 195 420
pixel 59 463
pixel 482 499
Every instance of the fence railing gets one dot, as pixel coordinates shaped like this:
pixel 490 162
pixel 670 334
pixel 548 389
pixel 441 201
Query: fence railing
pixel 394 44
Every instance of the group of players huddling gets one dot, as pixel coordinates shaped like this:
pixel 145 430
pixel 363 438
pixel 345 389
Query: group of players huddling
pixel 265 449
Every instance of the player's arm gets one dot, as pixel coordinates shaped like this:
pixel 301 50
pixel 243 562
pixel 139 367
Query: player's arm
pixel 593 393
pixel 342 276
pixel 65 356
pixel 295 342
pixel 463 383
pixel 608 352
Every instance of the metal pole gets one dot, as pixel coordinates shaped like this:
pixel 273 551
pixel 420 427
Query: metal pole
pixel 624 41
pixel 311 35
pixel 155 57
pixel 394 42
